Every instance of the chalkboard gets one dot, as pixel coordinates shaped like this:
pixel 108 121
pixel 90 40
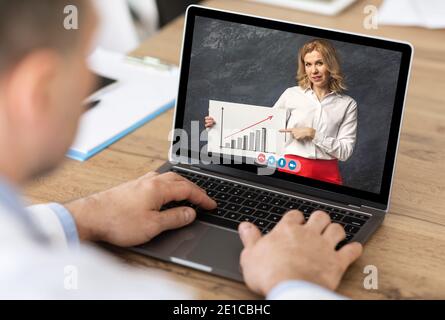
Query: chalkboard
pixel 251 65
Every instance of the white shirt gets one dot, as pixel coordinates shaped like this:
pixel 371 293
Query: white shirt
pixel 334 120
pixel 41 258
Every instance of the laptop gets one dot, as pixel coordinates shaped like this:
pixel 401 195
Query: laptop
pixel 243 71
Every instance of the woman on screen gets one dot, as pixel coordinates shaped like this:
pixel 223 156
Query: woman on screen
pixel 322 125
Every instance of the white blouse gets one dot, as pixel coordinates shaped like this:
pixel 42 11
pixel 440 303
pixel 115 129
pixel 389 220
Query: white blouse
pixel 334 120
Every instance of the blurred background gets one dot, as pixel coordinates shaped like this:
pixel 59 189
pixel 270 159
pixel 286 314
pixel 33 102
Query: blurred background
pixel 125 23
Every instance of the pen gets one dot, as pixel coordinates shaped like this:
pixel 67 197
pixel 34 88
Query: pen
pixel 150 62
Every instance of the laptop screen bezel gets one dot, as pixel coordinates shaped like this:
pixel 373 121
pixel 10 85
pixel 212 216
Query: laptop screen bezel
pixel 282 180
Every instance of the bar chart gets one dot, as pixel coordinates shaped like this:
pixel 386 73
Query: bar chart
pixel 252 141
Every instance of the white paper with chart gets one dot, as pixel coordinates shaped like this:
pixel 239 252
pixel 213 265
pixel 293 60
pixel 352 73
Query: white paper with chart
pixel 246 130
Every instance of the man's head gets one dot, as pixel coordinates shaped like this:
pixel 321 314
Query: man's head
pixel 43 81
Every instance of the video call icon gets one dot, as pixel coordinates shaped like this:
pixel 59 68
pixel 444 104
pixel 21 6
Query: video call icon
pixel 261 158
pixel 282 162
pixel 292 165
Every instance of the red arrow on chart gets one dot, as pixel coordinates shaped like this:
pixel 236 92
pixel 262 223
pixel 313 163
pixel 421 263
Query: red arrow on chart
pixel 253 125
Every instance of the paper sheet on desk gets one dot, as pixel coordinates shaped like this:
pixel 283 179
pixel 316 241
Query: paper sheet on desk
pixel 422 13
pixel 140 95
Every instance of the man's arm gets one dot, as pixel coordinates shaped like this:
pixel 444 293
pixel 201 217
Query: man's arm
pixel 126 215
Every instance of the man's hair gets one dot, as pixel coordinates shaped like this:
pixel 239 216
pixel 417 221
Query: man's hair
pixel 27 25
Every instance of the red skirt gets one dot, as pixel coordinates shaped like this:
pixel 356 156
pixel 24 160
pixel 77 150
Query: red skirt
pixel 324 170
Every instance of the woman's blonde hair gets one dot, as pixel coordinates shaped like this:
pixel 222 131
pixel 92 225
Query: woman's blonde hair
pixel 330 58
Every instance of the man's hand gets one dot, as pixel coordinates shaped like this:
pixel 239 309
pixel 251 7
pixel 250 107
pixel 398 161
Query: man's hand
pixel 301 134
pixel 129 214
pixel 295 251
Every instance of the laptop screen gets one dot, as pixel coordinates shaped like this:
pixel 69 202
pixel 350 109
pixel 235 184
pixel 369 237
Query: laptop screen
pixel 294 103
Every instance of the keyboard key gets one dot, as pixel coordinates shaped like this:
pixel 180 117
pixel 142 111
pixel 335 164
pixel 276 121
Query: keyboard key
pixel 246 210
pixel 236 192
pixel 353 221
pixel 211 193
pixel 233 207
pixel 336 216
pixel 362 216
pixel 306 209
pixel 263 198
pixel 274 218
pixel 250 203
pixel 291 205
pixel 261 223
pixel 236 199
pixel 221 204
pixel 348 213
pixel 250 195
pixel 260 214
pixel 223 188
pixel 209 185
pixel 217 212
pixel 222 196
pixel 200 183
pixel 278 202
pixel 278 210
pixel 264 206
pixel 351 229
pixel 232 216
pixel 246 218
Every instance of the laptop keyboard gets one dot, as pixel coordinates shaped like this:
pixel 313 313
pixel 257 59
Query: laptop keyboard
pixel 238 203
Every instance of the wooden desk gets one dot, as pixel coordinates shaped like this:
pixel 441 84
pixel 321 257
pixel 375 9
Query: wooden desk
pixel 409 249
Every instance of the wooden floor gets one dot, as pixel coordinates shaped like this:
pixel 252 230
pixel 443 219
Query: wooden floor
pixel 408 250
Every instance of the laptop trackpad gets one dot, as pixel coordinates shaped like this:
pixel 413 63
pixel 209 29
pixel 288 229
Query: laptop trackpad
pixel 201 246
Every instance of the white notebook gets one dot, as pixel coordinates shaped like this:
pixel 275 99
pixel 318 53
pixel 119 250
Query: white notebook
pixel 141 94
pixel 325 7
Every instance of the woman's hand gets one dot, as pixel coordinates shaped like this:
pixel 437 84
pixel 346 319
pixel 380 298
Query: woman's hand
pixel 209 122
pixel 301 134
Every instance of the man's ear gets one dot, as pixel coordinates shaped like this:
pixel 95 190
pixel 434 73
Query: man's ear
pixel 29 86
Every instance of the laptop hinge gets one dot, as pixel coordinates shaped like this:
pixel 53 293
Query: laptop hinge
pixel 373 208
pixel 365 207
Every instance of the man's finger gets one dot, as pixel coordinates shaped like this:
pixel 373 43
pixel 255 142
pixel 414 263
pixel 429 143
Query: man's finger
pixel 349 253
pixel 334 233
pixel 172 176
pixel 186 190
pixel 175 218
pixel 249 234
pixel 291 217
pixel 318 221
